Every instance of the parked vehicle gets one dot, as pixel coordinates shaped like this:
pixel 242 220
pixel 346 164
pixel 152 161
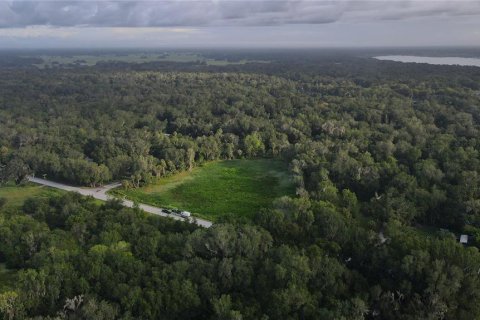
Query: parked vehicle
pixel 185 214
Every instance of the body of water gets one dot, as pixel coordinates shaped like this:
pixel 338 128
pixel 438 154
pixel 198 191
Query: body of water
pixel 434 60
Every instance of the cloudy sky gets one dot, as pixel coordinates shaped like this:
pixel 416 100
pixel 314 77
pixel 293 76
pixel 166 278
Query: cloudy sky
pixel 237 23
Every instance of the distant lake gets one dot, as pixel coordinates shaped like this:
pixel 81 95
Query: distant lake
pixel 434 60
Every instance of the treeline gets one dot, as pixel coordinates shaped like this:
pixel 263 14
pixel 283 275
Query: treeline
pixel 133 160
pixel 303 259
pixel 113 135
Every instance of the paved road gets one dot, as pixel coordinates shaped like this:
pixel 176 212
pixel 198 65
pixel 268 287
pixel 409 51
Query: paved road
pixel 100 193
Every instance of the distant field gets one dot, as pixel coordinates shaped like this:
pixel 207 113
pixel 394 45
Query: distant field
pixel 218 188
pixel 16 195
pixel 91 60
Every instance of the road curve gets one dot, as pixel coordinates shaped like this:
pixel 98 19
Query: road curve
pixel 100 193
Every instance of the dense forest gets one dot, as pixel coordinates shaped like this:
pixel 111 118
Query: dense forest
pixel 385 158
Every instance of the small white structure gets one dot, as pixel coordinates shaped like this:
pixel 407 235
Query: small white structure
pixel 463 239
pixel 185 214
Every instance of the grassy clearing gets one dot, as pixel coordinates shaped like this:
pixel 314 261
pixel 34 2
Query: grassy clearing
pixel 240 187
pixel 16 195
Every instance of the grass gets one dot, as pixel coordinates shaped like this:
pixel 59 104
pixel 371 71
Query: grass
pixel 16 195
pixel 240 187
pixel 8 278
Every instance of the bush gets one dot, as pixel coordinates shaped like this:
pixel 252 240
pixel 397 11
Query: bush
pixel 3 201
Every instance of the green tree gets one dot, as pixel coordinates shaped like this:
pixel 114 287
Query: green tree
pixel 254 146
pixel 10 305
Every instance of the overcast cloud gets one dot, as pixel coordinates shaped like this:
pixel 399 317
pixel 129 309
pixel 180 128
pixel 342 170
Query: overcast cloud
pixel 182 22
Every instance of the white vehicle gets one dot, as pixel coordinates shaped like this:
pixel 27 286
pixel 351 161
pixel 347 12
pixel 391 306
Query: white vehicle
pixel 185 214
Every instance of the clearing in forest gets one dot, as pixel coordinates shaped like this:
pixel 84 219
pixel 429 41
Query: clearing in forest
pixel 17 194
pixel 215 189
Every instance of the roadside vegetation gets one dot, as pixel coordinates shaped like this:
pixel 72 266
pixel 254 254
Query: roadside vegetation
pixel 15 195
pixel 216 189
pixel 302 257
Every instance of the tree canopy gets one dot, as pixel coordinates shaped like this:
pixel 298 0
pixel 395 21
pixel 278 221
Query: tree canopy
pixel 384 157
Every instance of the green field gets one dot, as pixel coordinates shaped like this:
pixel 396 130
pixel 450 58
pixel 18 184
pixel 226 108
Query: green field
pixel 240 187
pixel 91 60
pixel 16 195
